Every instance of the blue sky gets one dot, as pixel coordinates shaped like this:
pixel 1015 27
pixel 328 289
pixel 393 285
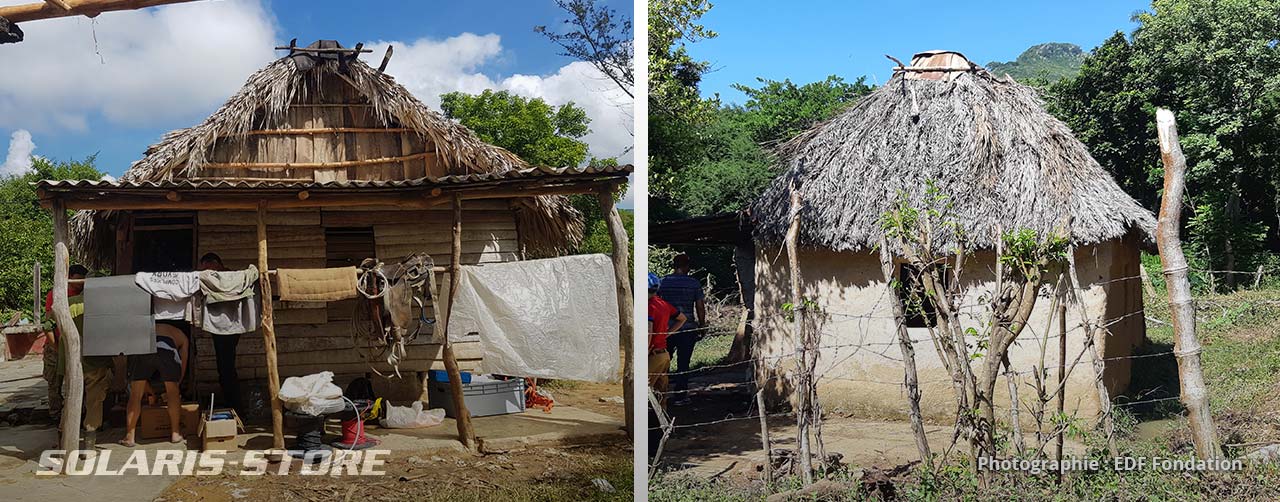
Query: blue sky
pixel 113 85
pixel 806 41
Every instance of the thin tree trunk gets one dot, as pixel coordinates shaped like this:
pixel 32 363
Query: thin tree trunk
pixel 269 333
pixel 764 439
pixel 1195 396
pixel 798 311
pixel 466 433
pixel 622 281
pixel 1062 374
pixel 1019 443
pixel 1099 368
pixel 68 334
pixel 909 376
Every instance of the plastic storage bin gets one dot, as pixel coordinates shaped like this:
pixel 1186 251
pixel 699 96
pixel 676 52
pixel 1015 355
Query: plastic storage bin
pixel 484 396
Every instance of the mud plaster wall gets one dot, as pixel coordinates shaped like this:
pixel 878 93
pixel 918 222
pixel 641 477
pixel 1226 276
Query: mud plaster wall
pixel 860 369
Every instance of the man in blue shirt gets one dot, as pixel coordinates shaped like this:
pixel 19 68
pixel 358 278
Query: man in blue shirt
pixel 685 293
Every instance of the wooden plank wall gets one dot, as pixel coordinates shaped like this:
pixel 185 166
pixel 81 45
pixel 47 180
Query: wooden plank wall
pixel 314 337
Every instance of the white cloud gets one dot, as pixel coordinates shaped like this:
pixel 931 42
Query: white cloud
pixel 429 68
pixel 18 161
pixel 146 68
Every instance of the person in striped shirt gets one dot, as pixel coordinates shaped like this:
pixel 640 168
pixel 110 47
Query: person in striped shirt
pixel 684 292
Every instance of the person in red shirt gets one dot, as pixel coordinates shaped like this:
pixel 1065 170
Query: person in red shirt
pixel 663 319
pixel 52 353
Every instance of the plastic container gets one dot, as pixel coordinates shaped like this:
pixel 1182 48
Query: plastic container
pixel 443 376
pixel 484 396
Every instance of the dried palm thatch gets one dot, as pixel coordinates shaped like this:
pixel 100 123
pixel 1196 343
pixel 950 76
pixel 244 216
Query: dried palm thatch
pixel 549 224
pixel 988 146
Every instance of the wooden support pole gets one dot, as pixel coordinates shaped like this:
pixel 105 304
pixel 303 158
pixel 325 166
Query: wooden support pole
pixel 1099 367
pixel 466 434
pixel 910 377
pixel 1062 375
pixel 802 367
pixel 68 335
pixel 764 439
pixel 269 332
pixel 1186 347
pixel 622 281
pixel 37 310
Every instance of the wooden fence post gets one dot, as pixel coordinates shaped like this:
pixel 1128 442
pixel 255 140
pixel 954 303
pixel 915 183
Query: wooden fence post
pixel 622 280
pixel 68 334
pixel 764 440
pixel 798 312
pixel 1186 348
pixel 910 378
pixel 269 332
pixel 1099 367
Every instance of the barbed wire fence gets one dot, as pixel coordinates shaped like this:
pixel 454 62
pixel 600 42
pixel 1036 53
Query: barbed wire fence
pixel 866 334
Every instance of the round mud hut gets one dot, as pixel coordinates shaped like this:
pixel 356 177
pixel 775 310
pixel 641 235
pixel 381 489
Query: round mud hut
pixel 1003 163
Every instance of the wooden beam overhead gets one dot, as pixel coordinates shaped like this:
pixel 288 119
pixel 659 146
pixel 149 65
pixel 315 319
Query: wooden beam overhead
pixel 316 165
pixel 327 130
pixel 64 8
pixel 62 4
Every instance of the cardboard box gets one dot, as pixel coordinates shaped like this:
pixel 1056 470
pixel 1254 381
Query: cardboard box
pixel 229 443
pixel 153 423
pixel 220 434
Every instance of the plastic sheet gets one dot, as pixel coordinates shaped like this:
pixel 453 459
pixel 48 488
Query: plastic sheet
pixel 313 394
pixel 552 318
pixel 412 417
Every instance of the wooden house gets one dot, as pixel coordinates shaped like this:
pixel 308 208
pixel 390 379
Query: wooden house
pixel 321 160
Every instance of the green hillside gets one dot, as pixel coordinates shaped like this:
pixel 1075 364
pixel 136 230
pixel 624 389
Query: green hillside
pixel 1051 62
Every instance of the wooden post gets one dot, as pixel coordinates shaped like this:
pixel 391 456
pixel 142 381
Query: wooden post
pixel 1099 368
pixel 622 280
pixel 1062 373
pixel 1257 277
pixel 269 332
pixel 764 439
pixel 1195 396
pixel 910 378
pixel 466 434
pixel 36 308
pixel 1146 281
pixel 68 335
pixel 797 309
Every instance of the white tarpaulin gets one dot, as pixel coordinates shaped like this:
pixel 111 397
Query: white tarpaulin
pixel 552 318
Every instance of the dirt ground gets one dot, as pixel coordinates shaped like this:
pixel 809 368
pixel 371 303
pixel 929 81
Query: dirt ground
pixel 721 434
pixel 551 456
pixel 530 473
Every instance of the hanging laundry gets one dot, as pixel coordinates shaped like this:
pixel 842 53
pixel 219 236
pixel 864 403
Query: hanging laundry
pixel 230 302
pixel 231 318
pixel 171 293
pixel 228 285
pixel 317 284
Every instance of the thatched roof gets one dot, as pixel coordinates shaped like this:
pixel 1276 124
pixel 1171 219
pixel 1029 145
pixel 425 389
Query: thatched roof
pixel 549 224
pixel 987 144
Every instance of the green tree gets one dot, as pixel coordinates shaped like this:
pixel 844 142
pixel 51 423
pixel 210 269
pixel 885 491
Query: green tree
pixel 1217 65
pixel 1111 112
pixel 676 109
pixel 539 133
pixel 28 229
pixel 783 109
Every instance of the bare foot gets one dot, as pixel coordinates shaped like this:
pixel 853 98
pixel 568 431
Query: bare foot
pixel 128 443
